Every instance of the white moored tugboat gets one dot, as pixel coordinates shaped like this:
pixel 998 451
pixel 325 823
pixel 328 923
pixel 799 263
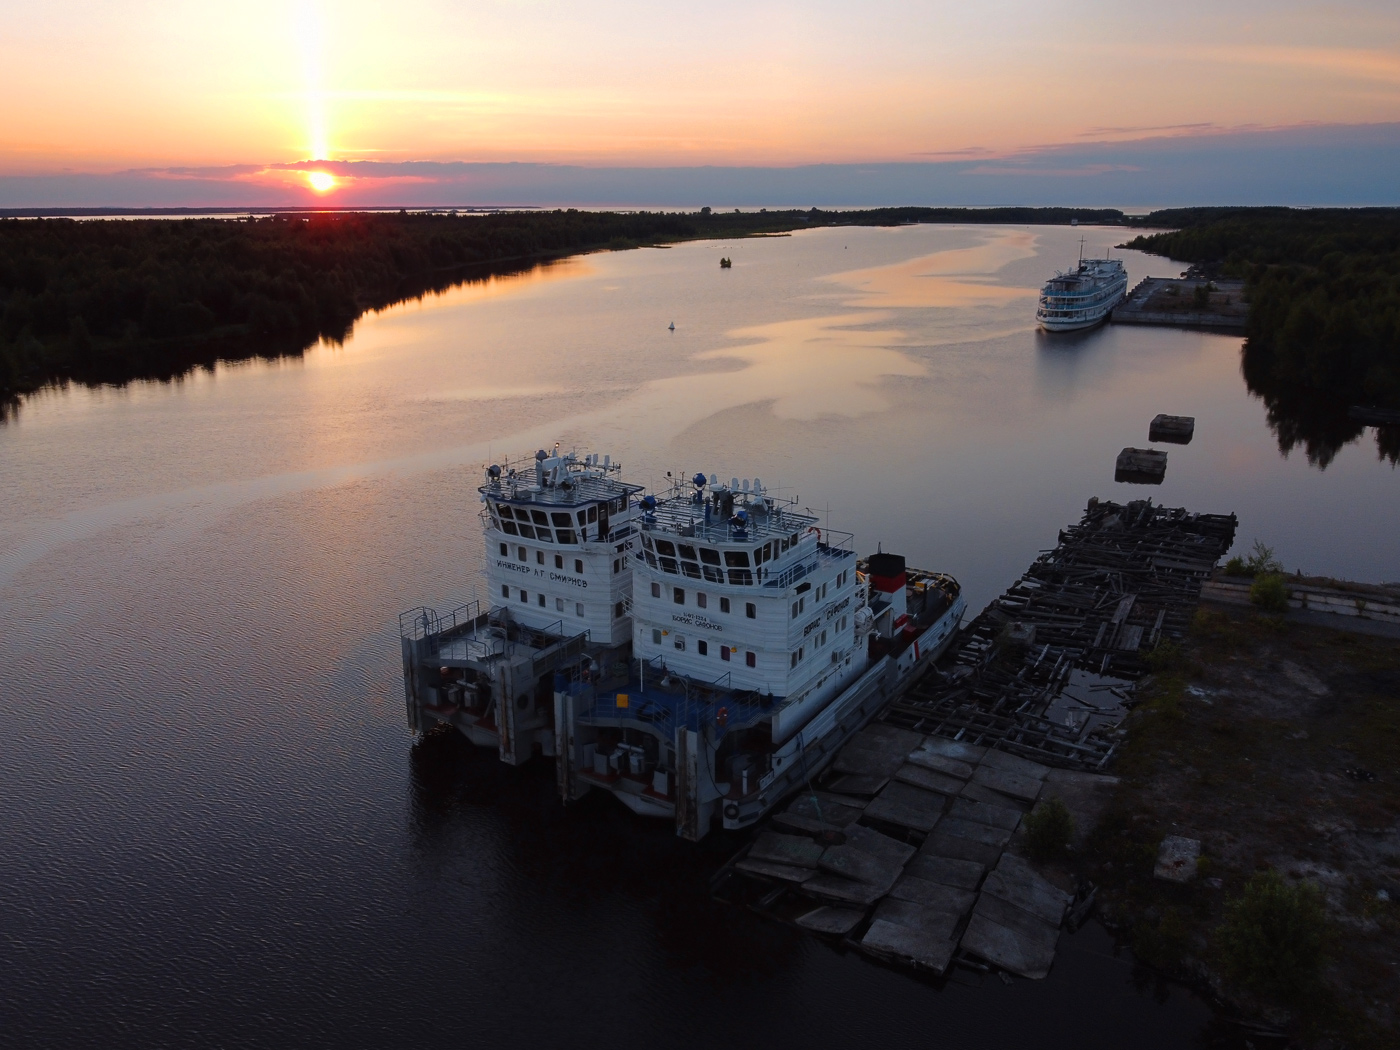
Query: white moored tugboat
pixel 1082 297
pixel 758 647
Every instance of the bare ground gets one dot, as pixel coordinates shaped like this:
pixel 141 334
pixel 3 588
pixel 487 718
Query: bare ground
pixel 1277 745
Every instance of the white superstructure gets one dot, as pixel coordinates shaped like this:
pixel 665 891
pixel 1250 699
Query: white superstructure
pixel 557 535
pixel 699 654
pixel 1082 297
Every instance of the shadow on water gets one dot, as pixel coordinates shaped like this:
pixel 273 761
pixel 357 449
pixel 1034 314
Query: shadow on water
pixel 594 853
pixel 1311 412
pixel 595 849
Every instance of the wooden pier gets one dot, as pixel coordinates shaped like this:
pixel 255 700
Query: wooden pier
pixel 906 848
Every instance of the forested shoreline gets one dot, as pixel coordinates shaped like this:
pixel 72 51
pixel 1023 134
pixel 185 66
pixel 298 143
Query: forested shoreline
pixel 1324 311
pixel 112 301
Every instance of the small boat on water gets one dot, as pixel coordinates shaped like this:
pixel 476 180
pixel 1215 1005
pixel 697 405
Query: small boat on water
pixel 1082 297
pixel 699 653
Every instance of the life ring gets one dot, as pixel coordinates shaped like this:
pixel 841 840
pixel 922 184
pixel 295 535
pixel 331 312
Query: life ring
pixel 813 528
pixel 722 717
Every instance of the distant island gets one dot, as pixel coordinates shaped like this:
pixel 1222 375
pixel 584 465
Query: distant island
pixel 108 302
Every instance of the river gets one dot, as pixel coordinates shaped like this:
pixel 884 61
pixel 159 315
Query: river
pixel 217 829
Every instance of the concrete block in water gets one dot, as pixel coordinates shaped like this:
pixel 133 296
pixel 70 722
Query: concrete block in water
pixel 1176 859
pixel 1141 466
pixel 1177 430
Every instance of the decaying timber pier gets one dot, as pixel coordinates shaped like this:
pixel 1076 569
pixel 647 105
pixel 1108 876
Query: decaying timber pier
pixel 906 847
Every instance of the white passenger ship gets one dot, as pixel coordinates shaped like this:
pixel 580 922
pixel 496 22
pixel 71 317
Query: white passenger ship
pixel 1082 297
pixel 698 655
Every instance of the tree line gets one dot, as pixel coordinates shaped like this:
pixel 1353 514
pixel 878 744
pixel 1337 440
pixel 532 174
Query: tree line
pixel 109 301
pixel 1323 286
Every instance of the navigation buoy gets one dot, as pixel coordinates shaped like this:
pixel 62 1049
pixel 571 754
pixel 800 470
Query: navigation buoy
pixel 673 326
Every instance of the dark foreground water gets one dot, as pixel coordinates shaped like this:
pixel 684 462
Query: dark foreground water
pixel 214 828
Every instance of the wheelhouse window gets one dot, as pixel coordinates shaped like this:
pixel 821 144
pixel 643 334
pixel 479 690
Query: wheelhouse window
pixel 528 531
pixel 561 519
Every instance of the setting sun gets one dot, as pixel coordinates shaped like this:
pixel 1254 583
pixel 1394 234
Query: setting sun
pixel 321 181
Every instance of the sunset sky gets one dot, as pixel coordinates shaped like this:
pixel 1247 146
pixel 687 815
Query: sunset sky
pixel 101 93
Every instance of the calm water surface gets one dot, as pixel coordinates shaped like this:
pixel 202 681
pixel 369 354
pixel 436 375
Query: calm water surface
pixel 216 830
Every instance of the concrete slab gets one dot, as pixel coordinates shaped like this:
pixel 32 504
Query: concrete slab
pixel 825 810
pixel 981 793
pixel 852 863
pixel 1176 859
pixel 977 832
pixel 877 845
pixel 918 946
pixel 867 763
pixel 907 806
pixel 1015 764
pixel 926 894
pixel 953 767
pixel 856 784
pixel 985 813
pixel 951 847
pixel 1008 948
pixel 946 871
pixel 879 736
pixel 1017 785
pixel 1027 891
pixel 928 779
pixel 768 869
pixel 796 850
pixel 791 822
pixel 957 749
pixel 832 920
pixel 827 886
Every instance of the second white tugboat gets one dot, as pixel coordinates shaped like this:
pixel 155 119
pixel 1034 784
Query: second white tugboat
pixel 699 656
pixel 760 646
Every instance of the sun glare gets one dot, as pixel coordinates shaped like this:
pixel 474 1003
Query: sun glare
pixel 321 181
